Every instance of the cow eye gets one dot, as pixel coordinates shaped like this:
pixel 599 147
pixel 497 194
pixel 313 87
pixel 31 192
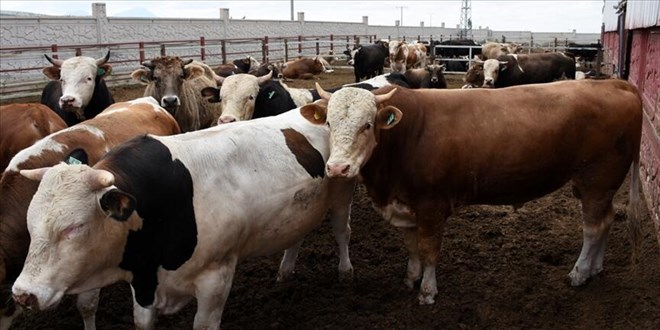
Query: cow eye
pixel 251 97
pixel 366 126
pixel 89 78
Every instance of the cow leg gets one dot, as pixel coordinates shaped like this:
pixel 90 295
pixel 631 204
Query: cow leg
pixel 87 303
pixel 431 224
pixel 598 216
pixel 212 290
pixel 341 192
pixel 8 317
pixel 288 263
pixel 144 318
pixel 414 270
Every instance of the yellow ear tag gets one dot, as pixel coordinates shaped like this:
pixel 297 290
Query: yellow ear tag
pixel 317 116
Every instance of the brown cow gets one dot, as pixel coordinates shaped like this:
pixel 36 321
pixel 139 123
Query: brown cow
pixel 495 49
pixel 407 56
pixel 243 65
pixel 304 68
pixel 423 153
pixel 177 84
pixel 86 142
pixel 22 124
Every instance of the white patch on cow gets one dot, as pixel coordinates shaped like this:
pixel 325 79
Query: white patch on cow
pixel 300 96
pixel 349 111
pixel 518 62
pixel 91 129
pixel 580 75
pixel 491 70
pixel 398 214
pixel 77 76
pixel 36 150
pixel 377 81
pixel 124 106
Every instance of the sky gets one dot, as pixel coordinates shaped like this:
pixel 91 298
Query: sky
pixel 502 15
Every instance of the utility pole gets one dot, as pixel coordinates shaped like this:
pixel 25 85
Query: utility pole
pixel 466 19
pixel 401 18
pixel 292 10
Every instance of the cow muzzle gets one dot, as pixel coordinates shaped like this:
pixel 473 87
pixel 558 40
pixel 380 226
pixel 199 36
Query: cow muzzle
pixel 26 300
pixel 170 103
pixel 488 83
pixel 71 104
pixel 226 120
pixel 338 170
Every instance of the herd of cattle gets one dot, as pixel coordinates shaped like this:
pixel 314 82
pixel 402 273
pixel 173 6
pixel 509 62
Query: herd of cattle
pixel 214 165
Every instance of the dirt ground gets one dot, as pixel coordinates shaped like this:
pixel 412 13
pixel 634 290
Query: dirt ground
pixel 500 269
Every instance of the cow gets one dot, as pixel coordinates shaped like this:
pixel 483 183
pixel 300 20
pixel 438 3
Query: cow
pixel 474 77
pixel 77 91
pixel 243 65
pixel 504 146
pixel 510 70
pixel 431 76
pixel 86 143
pixel 303 68
pixel 175 215
pixel 586 52
pixel 368 61
pixel 265 69
pixel 176 84
pixel 495 49
pixel 407 56
pixel 452 52
pixel 237 96
pixel 22 124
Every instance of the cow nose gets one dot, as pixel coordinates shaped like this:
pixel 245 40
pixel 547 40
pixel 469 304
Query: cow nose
pixel 488 82
pixel 170 101
pixel 338 170
pixel 67 100
pixel 434 79
pixel 226 119
pixel 26 300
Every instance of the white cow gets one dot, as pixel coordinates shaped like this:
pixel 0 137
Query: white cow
pixel 174 215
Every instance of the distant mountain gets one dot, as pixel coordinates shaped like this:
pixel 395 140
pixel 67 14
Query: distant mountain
pixel 18 13
pixel 134 12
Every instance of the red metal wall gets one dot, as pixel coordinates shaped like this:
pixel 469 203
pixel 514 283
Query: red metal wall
pixel 645 74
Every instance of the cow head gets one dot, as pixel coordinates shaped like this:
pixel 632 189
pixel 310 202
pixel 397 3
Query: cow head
pixel 78 77
pixel 238 95
pixel 436 72
pixel 513 48
pixel 474 77
pixel 492 68
pixel 165 77
pixel 354 116
pixel 75 209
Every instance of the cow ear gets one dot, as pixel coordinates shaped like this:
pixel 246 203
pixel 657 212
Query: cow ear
pixel 103 70
pixel 503 65
pixel 77 157
pixel 35 174
pixel 52 72
pixel 387 117
pixel 315 112
pixel 193 71
pixel 142 76
pixel 211 94
pixel 117 204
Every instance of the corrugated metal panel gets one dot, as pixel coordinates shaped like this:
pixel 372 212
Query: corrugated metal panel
pixel 642 14
pixel 610 17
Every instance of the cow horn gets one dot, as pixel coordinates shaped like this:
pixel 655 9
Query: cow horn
pixel 35 174
pixel 54 61
pixel 103 59
pixel 186 62
pixel 148 65
pixel 382 98
pixel 263 79
pixel 99 179
pixel 322 93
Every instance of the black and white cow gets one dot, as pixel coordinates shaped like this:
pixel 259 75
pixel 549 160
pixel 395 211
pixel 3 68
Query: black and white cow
pixel 77 91
pixel 369 60
pixel 174 215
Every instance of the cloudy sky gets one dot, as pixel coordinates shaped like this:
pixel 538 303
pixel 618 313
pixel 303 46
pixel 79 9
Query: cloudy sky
pixel 530 15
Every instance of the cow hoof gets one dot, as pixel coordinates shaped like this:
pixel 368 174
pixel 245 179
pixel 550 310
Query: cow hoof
pixel 426 298
pixel 410 284
pixel 577 278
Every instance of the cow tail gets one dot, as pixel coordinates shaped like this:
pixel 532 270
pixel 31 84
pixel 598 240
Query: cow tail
pixel 634 212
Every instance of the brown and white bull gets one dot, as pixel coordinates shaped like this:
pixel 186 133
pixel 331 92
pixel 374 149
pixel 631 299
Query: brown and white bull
pixel 22 124
pixel 495 49
pixel 303 68
pixel 174 215
pixel 86 143
pixel 424 153
pixel 77 91
pixel 177 83
pixel 407 56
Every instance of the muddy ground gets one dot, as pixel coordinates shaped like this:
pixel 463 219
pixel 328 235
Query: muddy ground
pixel 500 269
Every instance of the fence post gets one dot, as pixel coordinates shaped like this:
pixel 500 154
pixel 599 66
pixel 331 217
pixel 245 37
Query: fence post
pixel 317 47
pixel 202 48
pixel 264 49
pixel 223 51
pixel 78 51
pixel 162 50
pixel 286 50
pixel 141 45
pixel 348 42
pixel 431 48
pixel 299 46
pixel 332 45
pixel 555 47
pixel 53 49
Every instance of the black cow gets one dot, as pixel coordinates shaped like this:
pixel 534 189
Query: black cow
pixel 510 70
pixel 369 60
pixel 455 52
pixel 79 99
pixel 430 76
pixel 588 55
